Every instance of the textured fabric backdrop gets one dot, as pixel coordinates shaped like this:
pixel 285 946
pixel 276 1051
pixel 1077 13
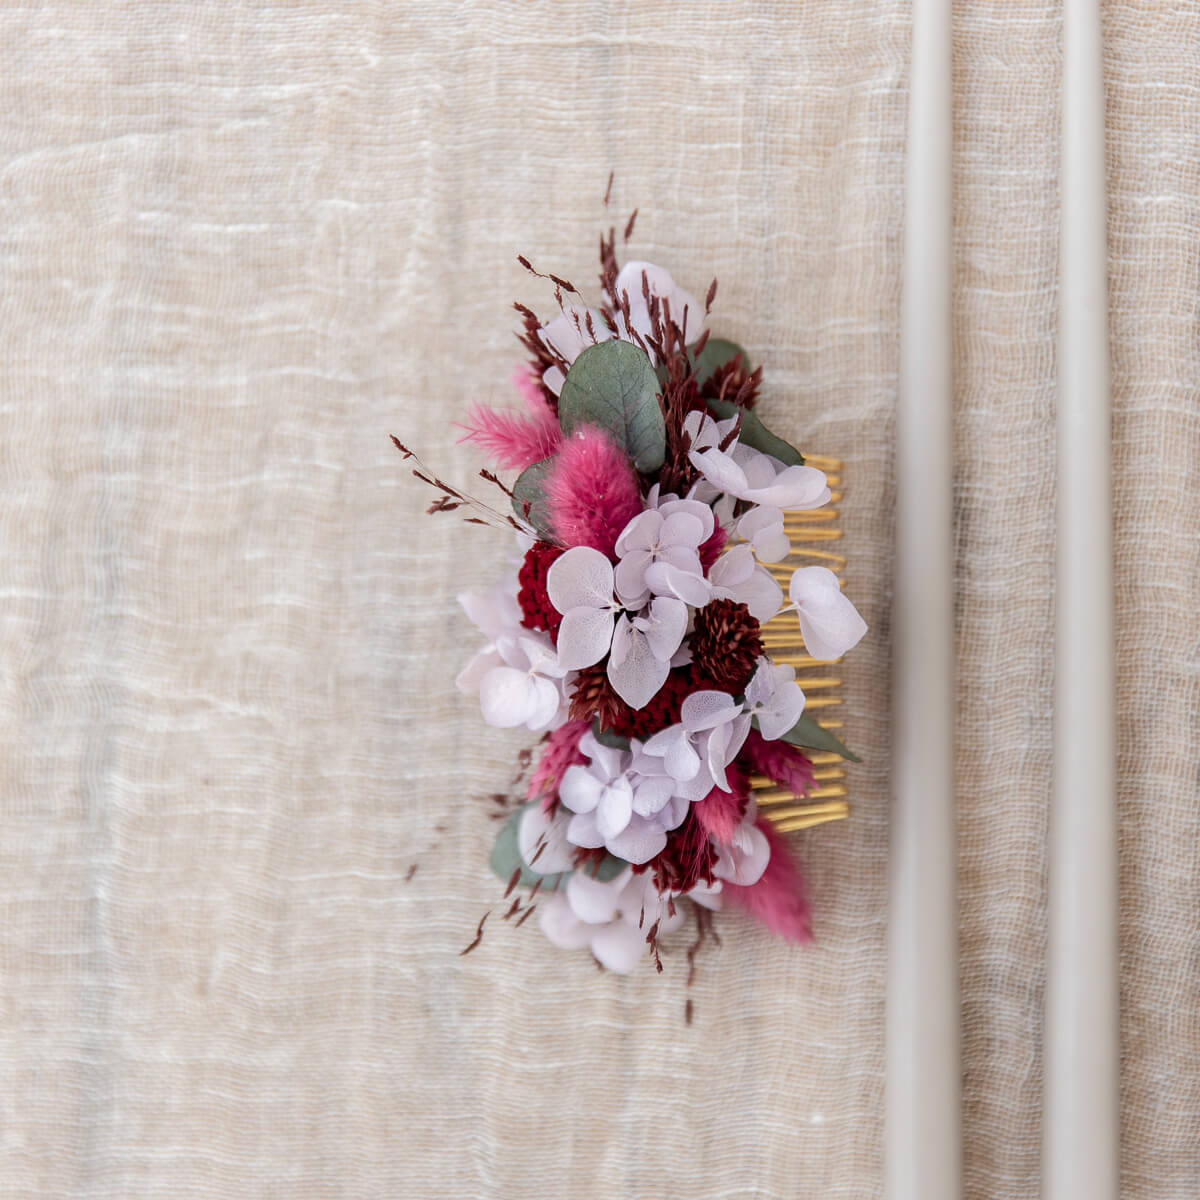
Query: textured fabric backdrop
pixel 241 243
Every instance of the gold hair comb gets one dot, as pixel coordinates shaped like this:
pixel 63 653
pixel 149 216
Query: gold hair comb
pixel 810 534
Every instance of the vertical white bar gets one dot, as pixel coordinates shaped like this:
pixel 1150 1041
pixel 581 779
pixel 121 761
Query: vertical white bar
pixel 1082 1108
pixel 923 1119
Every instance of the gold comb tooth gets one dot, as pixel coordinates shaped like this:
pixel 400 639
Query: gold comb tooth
pixel 810 533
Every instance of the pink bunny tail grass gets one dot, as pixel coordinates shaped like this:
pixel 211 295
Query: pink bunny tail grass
pixel 562 751
pixel 780 761
pixel 779 899
pixel 527 383
pixel 514 440
pixel 720 813
pixel 591 491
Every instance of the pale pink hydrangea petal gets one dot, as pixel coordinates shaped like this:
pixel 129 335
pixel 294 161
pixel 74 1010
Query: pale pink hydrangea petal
pixel 639 841
pixel 580 578
pixel 615 808
pixel 673 746
pixel 618 946
pixel 541 837
pixel 584 637
pixel 743 862
pixel 707 709
pixel 568 335
pixel 722 746
pixel 774 697
pixel 664 626
pixel 594 900
pixel 561 926
pixel 507 697
pixel 641 533
pixel 633 670
pixel 762 527
pixel 582 831
pixel 660 283
pixel 580 790
pixel 829 623
pixel 668 580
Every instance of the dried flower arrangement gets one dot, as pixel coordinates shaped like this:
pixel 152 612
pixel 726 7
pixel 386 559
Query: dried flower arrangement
pixel 648 497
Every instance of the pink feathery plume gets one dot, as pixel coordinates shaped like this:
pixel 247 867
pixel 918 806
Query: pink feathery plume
pixel 526 382
pixel 779 899
pixel 720 813
pixel 562 751
pixel 515 440
pixel 780 761
pixel 591 492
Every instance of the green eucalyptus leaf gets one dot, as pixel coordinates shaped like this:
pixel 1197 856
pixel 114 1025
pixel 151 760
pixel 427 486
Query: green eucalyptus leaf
pixel 610 867
pixel 506 856
pixel 530 487
pixel 716 353
pixel 808 735
pixel 614 386
pixel 606 737
pixel 755 433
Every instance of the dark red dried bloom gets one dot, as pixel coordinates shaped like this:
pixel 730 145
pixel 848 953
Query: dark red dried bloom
pixel 710 551
pixel 536 610
pixel 663 709
pixel 687 859
pixel 727 644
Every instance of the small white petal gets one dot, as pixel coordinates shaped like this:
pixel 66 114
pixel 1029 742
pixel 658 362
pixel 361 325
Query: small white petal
pixel 794 487
pixel 762 526
pixel 507 697
pixel 744 862
pixel 539 836
pixel 640 534
pixel 720 470
pixel 630 577
pixel 471 676
pixel 593 900
pixel 561 926
pixel 554 379
pixel 545 700
pixel 580 790
pixel 667 580
pixel 615 808
pixel 664 627
pixel 733 568
pixel 651 795
pixel 695 508
pixel 783 712
pixel 638 842
pixel 618 946
pixel 568 333
pixel 581 831
pixel 829 623
pixel 704 710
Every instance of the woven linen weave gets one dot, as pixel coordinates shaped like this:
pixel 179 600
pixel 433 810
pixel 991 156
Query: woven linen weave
pixel 241 243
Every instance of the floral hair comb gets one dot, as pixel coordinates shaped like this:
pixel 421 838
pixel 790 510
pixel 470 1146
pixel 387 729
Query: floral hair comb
pixel 644 630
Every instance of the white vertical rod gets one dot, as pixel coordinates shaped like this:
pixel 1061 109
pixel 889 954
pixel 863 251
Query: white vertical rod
pixel 1080 1155
pixel 923 1120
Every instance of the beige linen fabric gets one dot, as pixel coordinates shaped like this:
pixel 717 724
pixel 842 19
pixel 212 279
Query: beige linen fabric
pixel 239 244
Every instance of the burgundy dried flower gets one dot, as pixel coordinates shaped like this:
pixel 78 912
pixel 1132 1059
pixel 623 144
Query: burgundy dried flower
pixel 727 644
pixel 536 610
